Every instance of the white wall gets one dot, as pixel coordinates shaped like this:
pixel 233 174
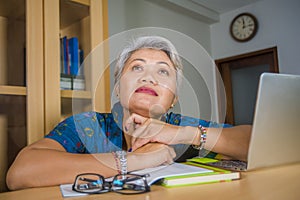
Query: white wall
pixel 278 26
pixel 129 14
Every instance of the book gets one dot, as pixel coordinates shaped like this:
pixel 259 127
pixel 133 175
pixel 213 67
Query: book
pixel 78 84
pixel 69 82
pixel 214 176
pixel 65 83
pixel 65 55
pixel 62 59
pixel 73 56
pixel 174 175
pixel 81 64
pixel 156 175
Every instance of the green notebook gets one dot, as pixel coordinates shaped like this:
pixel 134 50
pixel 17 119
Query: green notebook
pixel 214 176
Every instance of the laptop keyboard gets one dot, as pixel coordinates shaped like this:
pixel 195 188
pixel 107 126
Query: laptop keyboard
pixel 234 165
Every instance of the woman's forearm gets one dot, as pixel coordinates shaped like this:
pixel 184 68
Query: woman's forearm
pixel 46 167
pixel 232 142
pixel 46 163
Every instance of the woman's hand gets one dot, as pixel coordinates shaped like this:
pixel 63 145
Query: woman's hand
pixel 151 155
pixel 148 130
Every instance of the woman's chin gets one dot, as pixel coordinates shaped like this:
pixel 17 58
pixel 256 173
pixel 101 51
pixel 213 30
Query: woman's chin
pixel 151 111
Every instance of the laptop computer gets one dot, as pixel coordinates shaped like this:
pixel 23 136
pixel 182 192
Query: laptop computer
pixel 275 137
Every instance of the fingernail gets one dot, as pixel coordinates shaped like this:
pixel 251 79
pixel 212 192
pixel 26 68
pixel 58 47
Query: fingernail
pixel 125 128
pixel 130 150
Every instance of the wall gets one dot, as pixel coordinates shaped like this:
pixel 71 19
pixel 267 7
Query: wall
pixel 129 14
pixel 278 26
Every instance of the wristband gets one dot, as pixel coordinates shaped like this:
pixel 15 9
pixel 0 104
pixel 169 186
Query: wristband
pixel 123 161
pixel 116 161
pixel 203 135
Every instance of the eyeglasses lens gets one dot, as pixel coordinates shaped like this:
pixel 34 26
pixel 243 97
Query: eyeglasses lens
pixel 89 183
pixel 129 184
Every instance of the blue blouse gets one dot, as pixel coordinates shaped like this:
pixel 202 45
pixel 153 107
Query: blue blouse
pixel 93 132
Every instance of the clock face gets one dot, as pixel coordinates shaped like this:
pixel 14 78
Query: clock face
pixel 243 27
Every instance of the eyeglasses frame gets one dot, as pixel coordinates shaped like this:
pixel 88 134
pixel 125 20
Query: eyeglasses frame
pixel 109 184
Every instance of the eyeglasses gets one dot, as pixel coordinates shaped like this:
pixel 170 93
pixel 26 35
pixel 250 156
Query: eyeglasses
pixel 125 184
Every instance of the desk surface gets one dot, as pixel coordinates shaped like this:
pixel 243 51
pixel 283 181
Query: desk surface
pixel 281 182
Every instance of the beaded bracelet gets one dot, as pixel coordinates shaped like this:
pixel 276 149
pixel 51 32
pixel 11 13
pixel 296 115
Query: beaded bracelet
pixel 123 161
pixel 117 162
pixel 203 132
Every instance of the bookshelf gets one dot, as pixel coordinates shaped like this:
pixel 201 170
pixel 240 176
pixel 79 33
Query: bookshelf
pixel 13 90
pixel 87 21
pixel 21 82
pixel 31 101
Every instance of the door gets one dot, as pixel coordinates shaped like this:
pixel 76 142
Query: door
pixel 240 75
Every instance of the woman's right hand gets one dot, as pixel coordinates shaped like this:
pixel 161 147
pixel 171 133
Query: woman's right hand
pixel 151 155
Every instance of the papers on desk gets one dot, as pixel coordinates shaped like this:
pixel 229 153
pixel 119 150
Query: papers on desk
pixel 66 191
pixel 156 173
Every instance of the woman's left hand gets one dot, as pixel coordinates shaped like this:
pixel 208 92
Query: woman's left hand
pixel 145 130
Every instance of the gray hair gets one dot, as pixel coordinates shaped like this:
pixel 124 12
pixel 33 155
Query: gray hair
pixel 150 42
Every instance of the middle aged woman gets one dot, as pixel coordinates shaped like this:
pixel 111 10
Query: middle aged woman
pixel 147 78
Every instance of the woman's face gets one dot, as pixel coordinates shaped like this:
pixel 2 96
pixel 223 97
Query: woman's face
pixel 148 83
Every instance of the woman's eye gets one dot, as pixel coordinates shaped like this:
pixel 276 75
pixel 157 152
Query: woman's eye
pixel 163 72
pixel 137 68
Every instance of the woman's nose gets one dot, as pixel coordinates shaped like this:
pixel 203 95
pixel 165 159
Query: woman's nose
pixel 149 78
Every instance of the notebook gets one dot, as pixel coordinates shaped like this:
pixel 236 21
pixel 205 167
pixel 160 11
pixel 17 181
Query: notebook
pixel 275 138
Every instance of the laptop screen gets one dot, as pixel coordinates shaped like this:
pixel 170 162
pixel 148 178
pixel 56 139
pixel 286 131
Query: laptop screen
pixel 275 135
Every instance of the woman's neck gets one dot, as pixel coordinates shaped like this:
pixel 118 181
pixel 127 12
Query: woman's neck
pixel 127 137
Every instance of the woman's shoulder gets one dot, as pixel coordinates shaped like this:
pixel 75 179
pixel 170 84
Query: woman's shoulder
pixel 182 120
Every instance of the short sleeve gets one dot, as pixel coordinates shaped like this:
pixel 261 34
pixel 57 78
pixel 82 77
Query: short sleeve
pixel 66 134
pixel 88 132
pixel 180 120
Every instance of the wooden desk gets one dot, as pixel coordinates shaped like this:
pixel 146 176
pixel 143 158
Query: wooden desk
pixel 272 183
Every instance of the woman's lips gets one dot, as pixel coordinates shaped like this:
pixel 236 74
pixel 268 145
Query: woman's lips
pixel 146 90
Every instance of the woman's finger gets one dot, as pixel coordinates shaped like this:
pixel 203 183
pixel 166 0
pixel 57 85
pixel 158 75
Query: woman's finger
pixel 138 142
pixel 134 122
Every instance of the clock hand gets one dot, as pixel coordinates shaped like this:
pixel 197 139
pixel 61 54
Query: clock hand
pixel 243 23
pixel 249 25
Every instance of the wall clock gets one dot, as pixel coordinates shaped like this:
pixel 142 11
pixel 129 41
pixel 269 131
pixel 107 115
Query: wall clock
pixel 243 27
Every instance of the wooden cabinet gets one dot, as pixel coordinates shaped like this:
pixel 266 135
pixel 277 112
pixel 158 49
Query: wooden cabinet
pixel 86 20
pixel 21 80
pixel 31 102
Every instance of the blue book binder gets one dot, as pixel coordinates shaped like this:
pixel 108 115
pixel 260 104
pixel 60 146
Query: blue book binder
pixel 81 59
pixel 65 54
pixel 73 55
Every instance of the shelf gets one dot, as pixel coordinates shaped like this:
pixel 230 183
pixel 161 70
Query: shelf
pixel 78 94
pixel 73 11
pixel 13 90
pixel 83 2
pixel 12 8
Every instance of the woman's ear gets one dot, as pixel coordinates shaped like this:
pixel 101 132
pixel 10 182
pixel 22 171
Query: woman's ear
pixel 175 100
